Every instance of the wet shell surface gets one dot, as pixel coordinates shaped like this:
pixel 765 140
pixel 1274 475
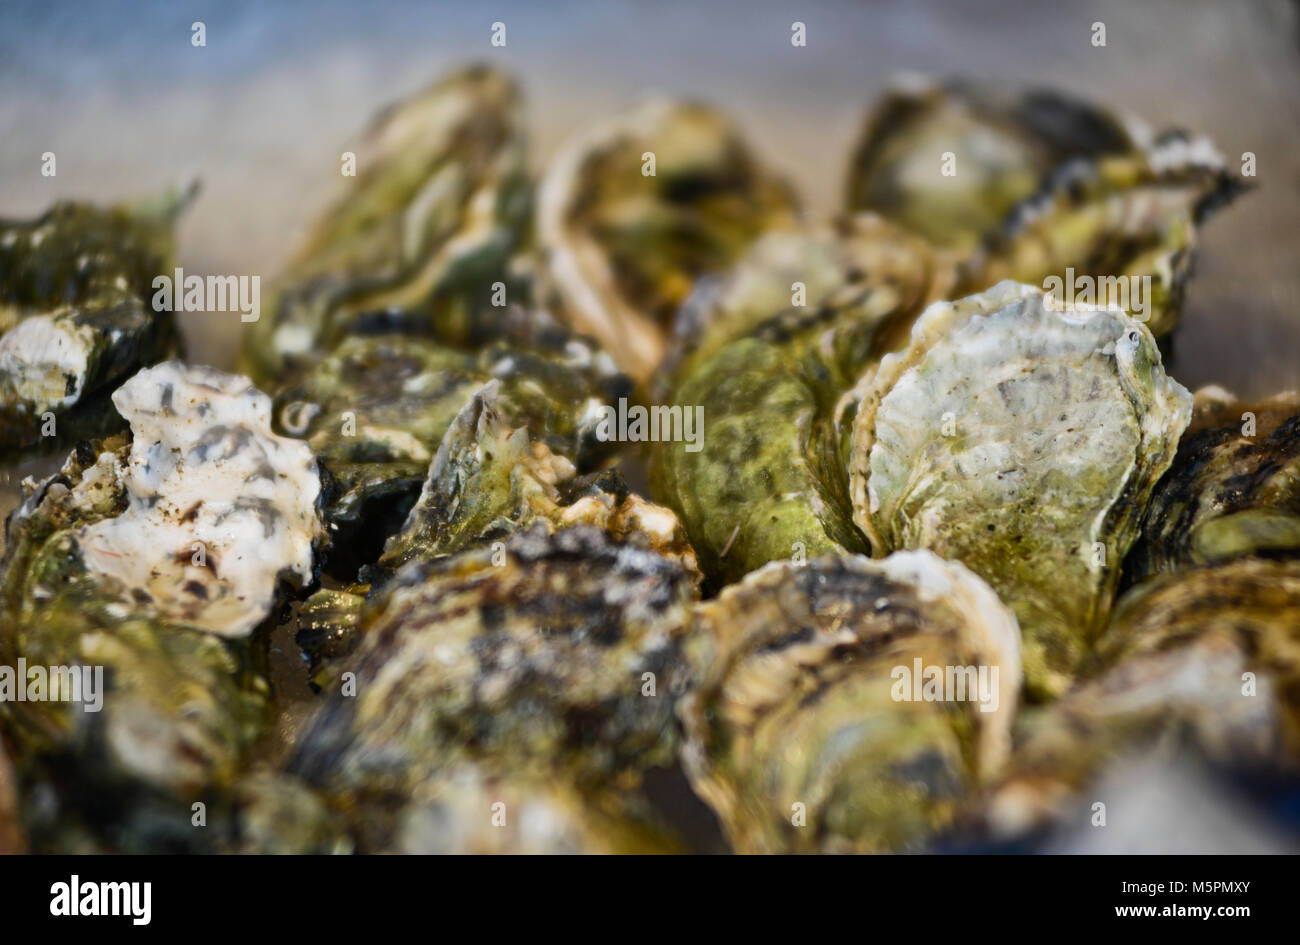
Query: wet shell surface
pixel 799 734
pixel 1024 442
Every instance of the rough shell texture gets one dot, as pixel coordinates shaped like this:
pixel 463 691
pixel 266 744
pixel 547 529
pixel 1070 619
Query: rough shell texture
pixel 218 506
pixel 180 707
pixel 377 408
pixel 1024 442
pixel 1233 490
pixel 531 660
pixel 1206 660
pixel 769 480
pixel 429 223
pixel 622 246
pixel 797 707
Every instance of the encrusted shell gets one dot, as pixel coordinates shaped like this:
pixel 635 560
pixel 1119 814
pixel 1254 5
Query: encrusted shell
pixel 768 366
pixel 376 409
pixel 439 204
pixel 798 733
pixel 1023 441
pixel 622 246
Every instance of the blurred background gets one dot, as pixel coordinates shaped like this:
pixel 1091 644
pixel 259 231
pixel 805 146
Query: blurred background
pixel 262 112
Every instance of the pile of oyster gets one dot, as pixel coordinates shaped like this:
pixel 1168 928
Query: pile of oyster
pixel 947 548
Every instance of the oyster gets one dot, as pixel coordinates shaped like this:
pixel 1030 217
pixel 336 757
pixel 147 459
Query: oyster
pixel 771 480
pixel 1126 223
pixel 799 734
pixel 1023 441
pixel 554 657
pixel 622 246
pixel 1005 144
pixel 430 222
pixel 150 561
pixel 1233 489
pixel 1043 189
pixel 376 409
pixel 1204 661
pixel 73 317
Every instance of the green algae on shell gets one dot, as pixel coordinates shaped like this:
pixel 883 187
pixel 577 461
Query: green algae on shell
pixel 1233 489
pixel 439 205
pixel 1024 442
pixel 770 480
pixel 622 247
pixel 796 734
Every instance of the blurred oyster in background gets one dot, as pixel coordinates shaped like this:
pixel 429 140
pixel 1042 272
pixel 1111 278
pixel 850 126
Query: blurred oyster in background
pixel 1233 488
pixel 153 557
pixel 1024 442
pixel 1131 216
pixel 768 361
pixel 1004 144
pixel 554 657
pixel 798 735
pixel 438 206
pixel 76 316
pixel 1205 660
pixel 1033 185
pixel 622 246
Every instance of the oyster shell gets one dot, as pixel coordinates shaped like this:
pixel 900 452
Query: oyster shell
pixel 1204 660
pixel 622 248
pixel 530 659
pixel 1044 187
pixel 376 409
pixel 1233 489
pixel 798 705
pixel 1024 442
pixel 430 222
pixel 1005 142
pixel 771 478
pixel 73 318
pixel 1131 216
pixel 153 559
